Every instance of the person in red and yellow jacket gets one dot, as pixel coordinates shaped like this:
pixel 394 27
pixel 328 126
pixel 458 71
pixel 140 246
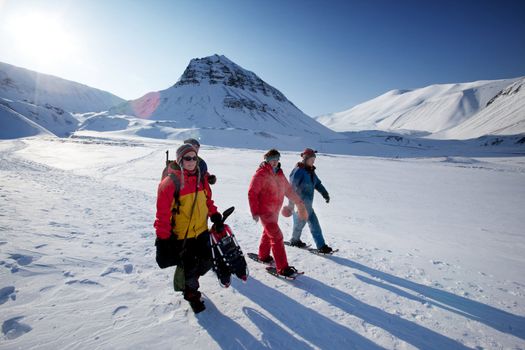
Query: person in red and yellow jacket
pixel 266 194
pixel 184 216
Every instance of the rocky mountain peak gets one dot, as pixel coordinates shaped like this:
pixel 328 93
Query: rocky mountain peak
pixel 218 69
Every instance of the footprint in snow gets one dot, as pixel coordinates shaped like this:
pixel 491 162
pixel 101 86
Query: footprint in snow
pixel 6 293
pixel 120 310
pixel 119 316
pixel 109 270
pixel 21 259
pixel 12 328
pixel 83 282
pixel 127 269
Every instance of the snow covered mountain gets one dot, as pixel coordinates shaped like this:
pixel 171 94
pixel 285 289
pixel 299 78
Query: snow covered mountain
pixel 437 108
pixel 504 114
pixel 45 100
pixel 20 84
pixel 15 125
pixel 214 92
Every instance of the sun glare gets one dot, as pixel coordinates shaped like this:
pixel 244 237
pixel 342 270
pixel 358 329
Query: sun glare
pixel 43 36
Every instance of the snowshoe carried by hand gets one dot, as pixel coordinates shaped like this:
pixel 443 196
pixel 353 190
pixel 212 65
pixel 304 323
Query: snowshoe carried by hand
pixel 228 258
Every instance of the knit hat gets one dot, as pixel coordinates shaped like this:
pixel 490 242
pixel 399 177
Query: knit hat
pixel 308 153
pixel 193 142
pixel 272 154
pixel 181 152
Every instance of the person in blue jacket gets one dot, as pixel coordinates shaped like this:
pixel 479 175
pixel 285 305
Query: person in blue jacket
pixel 304 181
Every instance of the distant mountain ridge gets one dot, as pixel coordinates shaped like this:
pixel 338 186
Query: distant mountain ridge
pixel 20 84
pixel 46 101
pixel 444 110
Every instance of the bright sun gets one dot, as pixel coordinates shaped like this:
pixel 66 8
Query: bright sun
pixel 42 36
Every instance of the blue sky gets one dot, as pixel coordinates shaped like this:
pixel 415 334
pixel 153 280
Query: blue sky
pixel 325 56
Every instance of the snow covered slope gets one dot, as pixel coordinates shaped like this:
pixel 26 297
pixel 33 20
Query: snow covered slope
pixel 431 254
pixel 214 92
pixel 45 100
pixel 51 119
pixel 15 125
pixel 365 143
pixel 434 109
pixel 504 114
pixel 19 84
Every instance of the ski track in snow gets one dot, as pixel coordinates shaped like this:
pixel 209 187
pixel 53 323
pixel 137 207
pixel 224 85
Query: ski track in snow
pixel 77 265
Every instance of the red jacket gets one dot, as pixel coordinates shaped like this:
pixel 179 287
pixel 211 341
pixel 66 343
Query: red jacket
pixel 267 191
pixel 204 206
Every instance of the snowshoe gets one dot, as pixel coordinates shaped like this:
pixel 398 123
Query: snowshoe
pixel 297 244
pixel 228 258
pixel 268 261
pixel 289 273
pixel 324 250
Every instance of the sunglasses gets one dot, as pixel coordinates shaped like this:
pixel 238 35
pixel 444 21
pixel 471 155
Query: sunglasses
pixel 189 159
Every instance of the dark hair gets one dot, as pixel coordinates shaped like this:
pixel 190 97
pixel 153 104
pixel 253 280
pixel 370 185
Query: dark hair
pixel 193 142
pixel 271 153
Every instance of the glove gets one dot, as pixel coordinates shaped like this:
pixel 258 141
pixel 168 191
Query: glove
pixel 167 252
pixel 212 179
pixel 217 221
pixel 287 211
pixel 255 218
pixel 302 212
pixel 327 199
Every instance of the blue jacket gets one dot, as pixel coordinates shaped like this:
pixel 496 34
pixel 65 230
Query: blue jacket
pixel 304 181
pixel 203 166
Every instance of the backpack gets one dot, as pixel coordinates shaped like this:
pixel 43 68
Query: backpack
pixel 168 164
pixel 175 179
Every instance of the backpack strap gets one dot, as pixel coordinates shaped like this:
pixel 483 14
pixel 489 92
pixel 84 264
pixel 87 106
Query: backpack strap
pixel 176 194
pixel 183 249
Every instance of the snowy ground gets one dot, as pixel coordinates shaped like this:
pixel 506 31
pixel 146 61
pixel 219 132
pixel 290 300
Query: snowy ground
pixel 431 254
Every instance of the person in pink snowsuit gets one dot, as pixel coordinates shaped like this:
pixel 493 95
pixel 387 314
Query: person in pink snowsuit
pixel 266 194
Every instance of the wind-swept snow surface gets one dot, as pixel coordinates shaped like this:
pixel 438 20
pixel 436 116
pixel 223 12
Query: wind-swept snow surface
pixel 431 254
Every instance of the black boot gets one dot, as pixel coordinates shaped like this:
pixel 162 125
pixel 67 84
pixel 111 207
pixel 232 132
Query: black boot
pixel 288 271
pixel 298 244
pixel 194 298
pixel 197 306
pixel 325 250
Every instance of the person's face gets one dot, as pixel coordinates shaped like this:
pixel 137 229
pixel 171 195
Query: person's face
pixel 274 163
pixel 190 161
pixel 310 161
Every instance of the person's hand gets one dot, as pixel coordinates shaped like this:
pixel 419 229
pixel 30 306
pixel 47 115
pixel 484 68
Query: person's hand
pixel 255 218
pixel 215 218
pixel 217 222
pixel 302 212
pixel 287 211
pixel 327 199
